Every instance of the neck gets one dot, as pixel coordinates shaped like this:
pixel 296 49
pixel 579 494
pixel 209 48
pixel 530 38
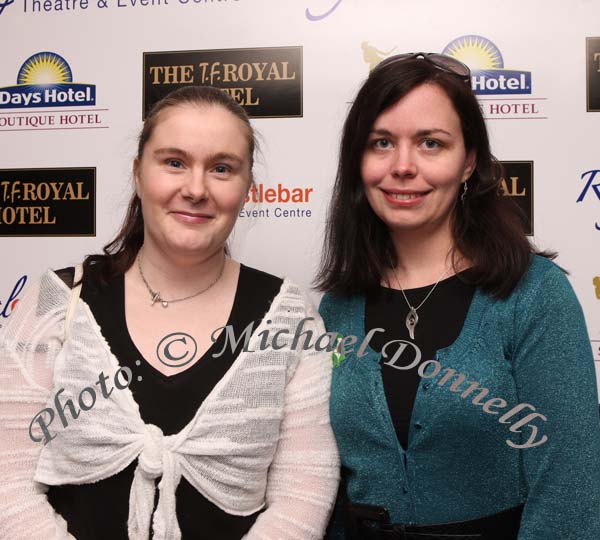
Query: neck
pixel 421 257
pixel 176 276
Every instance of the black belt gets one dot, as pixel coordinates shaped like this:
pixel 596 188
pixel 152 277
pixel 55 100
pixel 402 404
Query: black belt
pixel 366 522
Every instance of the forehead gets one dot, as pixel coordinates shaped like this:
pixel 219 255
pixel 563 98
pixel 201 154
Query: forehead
pixel 192 126
pixel 425 107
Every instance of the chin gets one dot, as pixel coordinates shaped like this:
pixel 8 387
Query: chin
pixel 404 225
pixel 187 249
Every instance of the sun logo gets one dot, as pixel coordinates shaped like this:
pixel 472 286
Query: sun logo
pixel 45 79
pixel 45 68
pixel 488 74
pixel 477 52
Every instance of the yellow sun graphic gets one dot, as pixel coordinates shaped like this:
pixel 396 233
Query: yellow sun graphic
pixel 477 52
pixel 45 68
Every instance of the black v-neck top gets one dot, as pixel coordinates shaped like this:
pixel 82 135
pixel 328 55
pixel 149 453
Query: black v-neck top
pixel 99 511
pixel 441 319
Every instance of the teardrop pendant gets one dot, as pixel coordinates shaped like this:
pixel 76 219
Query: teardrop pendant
pixel 411 322
pixel 164 303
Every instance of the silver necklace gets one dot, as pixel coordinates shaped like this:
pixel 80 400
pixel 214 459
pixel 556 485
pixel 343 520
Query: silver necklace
pixel 412 318
pixel 155 295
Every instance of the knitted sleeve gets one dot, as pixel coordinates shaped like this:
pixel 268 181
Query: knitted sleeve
pixel 304 473
pixel 554 373
pixel 29 344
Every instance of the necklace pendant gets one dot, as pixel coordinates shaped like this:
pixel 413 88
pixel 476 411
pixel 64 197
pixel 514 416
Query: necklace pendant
pixel 411 322
pixel 155 298
pixel 164 303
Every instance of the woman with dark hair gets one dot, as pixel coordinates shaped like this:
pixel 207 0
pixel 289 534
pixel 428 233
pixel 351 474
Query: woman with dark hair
pixel 168 429
pixel 470 409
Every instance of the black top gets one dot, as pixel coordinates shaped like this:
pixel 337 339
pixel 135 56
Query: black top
pixel 99 511
pixel 441 319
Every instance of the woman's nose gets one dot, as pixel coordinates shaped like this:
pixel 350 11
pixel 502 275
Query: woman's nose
pixel 404 164
pixel 194 187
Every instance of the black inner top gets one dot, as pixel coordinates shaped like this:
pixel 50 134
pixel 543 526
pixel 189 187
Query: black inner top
pixel 441 319
pixel 99 511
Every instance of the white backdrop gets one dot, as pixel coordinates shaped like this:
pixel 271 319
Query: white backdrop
pixel 104 47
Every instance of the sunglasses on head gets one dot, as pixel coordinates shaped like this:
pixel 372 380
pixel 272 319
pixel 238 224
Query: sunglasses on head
pixel 440 61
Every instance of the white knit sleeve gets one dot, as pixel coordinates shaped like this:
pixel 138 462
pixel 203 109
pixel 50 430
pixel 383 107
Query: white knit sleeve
pixel 303 477
pixel 29 343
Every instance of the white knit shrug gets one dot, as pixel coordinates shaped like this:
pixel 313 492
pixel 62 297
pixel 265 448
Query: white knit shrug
pixel 261 439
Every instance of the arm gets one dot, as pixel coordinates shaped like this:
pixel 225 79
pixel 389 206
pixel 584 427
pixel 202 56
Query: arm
pixel 303 476
pixel 29 344
pixel 554 371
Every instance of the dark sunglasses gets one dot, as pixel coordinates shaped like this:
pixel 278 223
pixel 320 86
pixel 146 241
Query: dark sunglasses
pixel 440 61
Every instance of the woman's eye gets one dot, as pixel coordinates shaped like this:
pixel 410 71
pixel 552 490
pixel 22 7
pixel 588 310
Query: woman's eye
pixel 431 144
pixel 174 163
pixel 381 144
pixel 222 169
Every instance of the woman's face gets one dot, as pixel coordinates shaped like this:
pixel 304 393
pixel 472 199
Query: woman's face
pixel 415 161
pixel 192 179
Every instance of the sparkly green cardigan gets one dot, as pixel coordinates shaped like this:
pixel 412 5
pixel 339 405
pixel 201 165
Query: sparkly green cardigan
pixel 531 348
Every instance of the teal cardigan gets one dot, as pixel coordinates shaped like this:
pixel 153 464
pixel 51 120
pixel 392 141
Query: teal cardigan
pixel 531 348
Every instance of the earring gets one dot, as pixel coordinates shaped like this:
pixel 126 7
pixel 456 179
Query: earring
pixel 464 193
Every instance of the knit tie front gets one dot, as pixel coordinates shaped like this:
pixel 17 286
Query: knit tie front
pixel 156 459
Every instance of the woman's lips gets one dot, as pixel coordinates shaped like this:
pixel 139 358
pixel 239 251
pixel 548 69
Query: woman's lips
pixel 405 198
pixel 191 217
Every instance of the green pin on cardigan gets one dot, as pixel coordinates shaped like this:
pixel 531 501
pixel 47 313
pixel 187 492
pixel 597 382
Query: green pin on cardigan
pixel 337 356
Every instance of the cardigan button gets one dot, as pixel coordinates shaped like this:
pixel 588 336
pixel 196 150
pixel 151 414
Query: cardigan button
pixel 426 386
pixel 404 489
pixel 418 425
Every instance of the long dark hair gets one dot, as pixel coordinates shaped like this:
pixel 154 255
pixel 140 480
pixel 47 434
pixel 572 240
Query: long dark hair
pixel 487 229
pixel 120 253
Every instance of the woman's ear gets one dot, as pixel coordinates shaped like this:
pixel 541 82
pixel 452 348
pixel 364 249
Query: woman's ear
pixel 470 164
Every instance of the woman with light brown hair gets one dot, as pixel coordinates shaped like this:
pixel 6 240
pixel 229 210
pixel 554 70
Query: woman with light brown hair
pixel 159 436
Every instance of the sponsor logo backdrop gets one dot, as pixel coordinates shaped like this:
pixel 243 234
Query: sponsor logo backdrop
pixel 71 67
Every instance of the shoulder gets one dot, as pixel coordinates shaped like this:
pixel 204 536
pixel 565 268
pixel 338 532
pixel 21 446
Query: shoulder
pixel 255 283
pixel 545 298
pixel 42 306
pixel 259 279
pixel 290 301
pixel 92 273
pixel 256 288
pixel 67 275
pixel 542 276
pixel 54 283
pixel 544 286
pixel 540 267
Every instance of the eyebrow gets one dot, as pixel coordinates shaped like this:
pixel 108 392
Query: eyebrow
pixel 225 156
pixel 171 151
pixel 425 132
pixel 420 133
pixel 218 156
pixel 380 132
